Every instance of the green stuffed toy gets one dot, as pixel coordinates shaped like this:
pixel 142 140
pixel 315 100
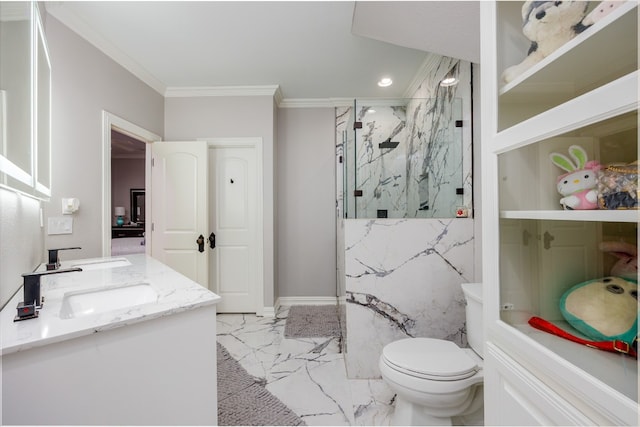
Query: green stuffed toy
pixel 603 309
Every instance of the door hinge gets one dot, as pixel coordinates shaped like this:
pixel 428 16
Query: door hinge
pixel 153 162
pixel 152 227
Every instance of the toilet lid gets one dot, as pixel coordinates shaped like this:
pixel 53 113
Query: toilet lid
pixel 430 358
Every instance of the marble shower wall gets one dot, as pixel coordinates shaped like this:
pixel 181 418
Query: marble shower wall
pixel 418 178
pixel 401 277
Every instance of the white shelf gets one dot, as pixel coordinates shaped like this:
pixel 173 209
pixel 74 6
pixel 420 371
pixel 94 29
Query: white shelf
pixel 628 215
pixel 574 65
pixel 611 100
pixel 616 370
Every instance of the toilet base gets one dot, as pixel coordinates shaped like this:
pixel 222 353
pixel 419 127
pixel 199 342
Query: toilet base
pixel 408 414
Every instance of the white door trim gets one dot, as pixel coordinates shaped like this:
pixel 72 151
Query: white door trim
pixel 257 144
pixel 109 122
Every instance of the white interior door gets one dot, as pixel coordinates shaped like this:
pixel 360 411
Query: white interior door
pixel 236 267
pixel 179 214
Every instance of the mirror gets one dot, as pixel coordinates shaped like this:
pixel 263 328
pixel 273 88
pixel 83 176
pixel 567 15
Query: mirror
pixel 25 100
pixel 43 112
pixel 137 205
pixel 16 162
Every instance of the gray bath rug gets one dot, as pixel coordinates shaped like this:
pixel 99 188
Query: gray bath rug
pixel 311 321
pixel 243 400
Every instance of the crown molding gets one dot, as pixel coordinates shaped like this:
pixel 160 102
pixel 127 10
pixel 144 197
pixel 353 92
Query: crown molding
pixel 277 97
pixel 84 30
pixel 421 74
pixel 315 102
pixel 199 91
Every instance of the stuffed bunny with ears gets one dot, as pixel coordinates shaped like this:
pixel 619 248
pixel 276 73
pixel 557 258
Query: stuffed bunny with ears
pixel 578 185
pixel 549 25
pixel 627 254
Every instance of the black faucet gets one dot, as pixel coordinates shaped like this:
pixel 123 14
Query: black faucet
pixel 31 291
pixel 54 261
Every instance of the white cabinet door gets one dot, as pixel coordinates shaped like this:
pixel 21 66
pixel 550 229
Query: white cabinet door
pixel 179 213
pixel 515 397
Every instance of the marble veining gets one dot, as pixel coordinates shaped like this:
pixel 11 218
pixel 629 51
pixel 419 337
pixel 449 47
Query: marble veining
pixel 176 293
pixel 428 173
pixel 403 280
pixel 306 374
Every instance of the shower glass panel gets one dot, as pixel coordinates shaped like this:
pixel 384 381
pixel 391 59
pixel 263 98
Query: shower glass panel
pixel 404 159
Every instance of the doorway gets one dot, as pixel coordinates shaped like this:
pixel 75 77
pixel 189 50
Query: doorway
pixel 125 139
pixel 127 194
pixel 208 216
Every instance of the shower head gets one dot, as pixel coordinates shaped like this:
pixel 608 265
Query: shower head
pixel 388 144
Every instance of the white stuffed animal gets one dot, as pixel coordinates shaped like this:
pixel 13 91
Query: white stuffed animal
pixel 549 25
pixel 578 186
pixel 602 10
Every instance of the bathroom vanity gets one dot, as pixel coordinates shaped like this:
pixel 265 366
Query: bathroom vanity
pixel 126 341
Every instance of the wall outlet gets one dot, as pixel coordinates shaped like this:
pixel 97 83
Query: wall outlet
pixel 60 225
pixel 506 306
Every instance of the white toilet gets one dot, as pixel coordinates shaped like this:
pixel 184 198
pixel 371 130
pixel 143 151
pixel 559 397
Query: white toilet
pixel 436 380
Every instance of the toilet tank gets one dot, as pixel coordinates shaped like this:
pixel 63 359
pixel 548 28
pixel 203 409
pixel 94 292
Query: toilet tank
pixel 475 325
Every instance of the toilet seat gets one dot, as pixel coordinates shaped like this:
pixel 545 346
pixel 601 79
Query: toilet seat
pixel 429 358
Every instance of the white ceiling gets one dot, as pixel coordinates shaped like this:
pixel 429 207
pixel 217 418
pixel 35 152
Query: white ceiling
pixel 309 49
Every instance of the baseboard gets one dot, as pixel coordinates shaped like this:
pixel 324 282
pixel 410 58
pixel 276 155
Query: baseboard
pixel 288 301
pixel 268 312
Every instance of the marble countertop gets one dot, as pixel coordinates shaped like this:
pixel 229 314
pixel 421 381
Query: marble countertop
pixel 175 293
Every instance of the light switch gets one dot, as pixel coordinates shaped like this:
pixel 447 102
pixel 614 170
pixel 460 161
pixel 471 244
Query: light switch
pixel 60 225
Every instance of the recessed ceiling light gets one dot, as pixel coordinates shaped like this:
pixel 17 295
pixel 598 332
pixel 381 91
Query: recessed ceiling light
pixel 371 111
pixel 384 82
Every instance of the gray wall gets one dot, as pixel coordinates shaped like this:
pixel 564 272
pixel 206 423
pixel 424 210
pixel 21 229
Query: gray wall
pixel 86 82
pixel 306 238
pixel 21 240
pixel 249 116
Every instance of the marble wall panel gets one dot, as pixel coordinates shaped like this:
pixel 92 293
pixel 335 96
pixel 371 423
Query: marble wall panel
pixel 403 280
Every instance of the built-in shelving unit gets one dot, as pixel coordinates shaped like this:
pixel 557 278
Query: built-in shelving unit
pixel 585 93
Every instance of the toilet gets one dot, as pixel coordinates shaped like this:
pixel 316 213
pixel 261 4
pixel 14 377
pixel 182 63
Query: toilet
pixel 435 380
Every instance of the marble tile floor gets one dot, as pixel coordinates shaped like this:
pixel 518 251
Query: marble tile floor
pixel 308 375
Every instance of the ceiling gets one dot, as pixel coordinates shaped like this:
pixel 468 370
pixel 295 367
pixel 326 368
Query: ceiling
pixel 126 147
pixel 310 50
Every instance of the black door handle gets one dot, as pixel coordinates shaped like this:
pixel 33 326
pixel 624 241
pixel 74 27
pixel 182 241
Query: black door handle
pixel 212 241
pixel 200 243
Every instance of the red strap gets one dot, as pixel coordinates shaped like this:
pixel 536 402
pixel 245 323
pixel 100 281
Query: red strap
pixel 615 346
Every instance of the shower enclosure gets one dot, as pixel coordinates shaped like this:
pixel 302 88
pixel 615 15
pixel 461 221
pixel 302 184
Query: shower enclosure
pixel 404 158
pixel 404 179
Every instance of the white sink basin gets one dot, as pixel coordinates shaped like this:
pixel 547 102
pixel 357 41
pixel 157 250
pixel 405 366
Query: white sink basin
pixel 96 264
pixel 101 300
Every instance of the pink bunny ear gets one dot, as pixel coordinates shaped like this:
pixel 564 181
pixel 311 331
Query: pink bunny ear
pixel 619 249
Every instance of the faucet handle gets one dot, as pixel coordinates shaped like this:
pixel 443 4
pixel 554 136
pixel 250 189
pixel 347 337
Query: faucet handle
pixel 54 261
pixel 31 284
